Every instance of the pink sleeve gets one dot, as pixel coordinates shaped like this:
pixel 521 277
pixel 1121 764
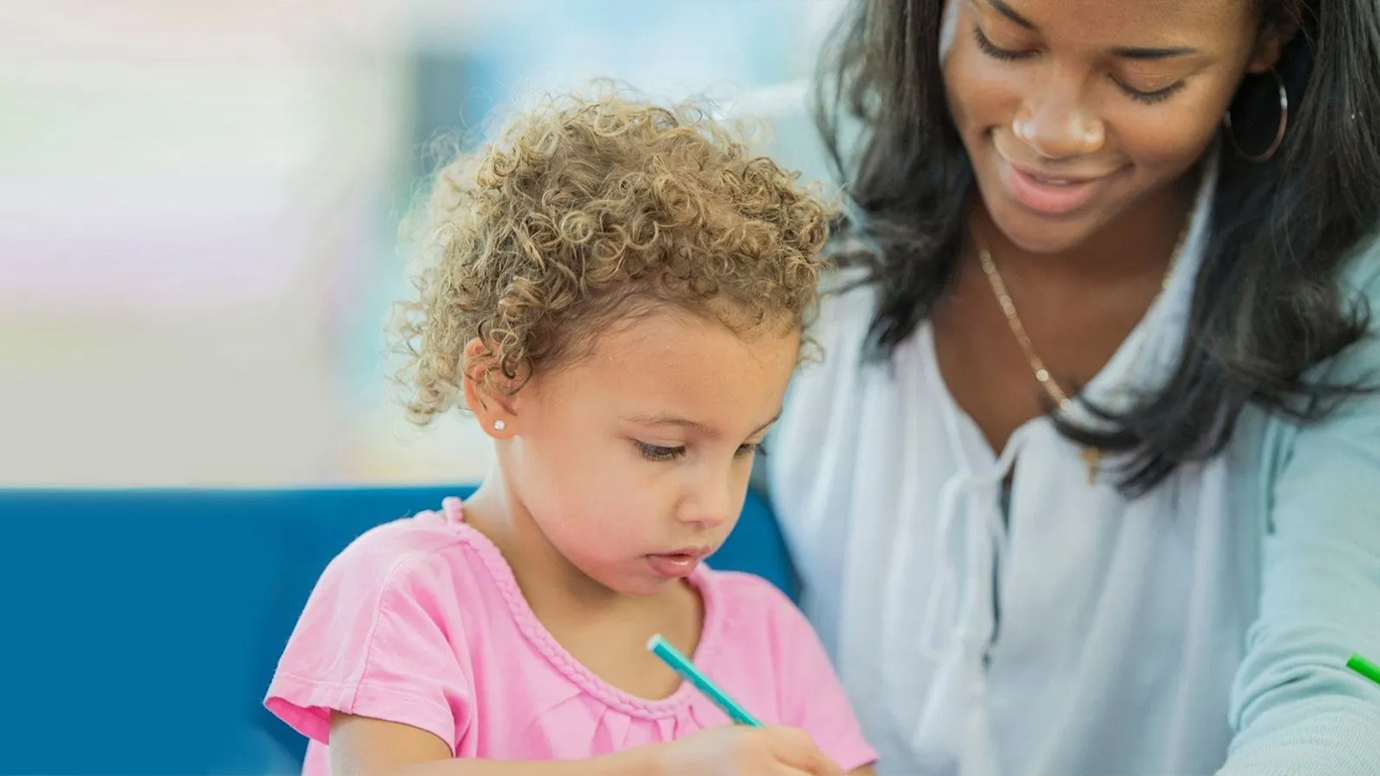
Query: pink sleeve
pixel 374 640
pixel 812 697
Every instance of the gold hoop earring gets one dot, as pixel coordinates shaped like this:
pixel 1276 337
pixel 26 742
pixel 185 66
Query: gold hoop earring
pixel 1279 134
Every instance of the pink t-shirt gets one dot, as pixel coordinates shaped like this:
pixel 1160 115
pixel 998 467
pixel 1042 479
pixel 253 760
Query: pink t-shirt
pixel 420 621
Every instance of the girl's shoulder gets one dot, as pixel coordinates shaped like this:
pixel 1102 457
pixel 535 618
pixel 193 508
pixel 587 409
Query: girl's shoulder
pixel 387 630
pixel 752 610
pixel 431 559
pixel 402 545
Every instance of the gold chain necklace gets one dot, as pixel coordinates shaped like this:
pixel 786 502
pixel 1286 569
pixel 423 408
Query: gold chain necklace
pixel 1092 456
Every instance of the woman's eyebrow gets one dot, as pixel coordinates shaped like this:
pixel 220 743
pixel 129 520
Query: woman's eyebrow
pixel 1125 52
pixel 1153 53
pixel 1010 13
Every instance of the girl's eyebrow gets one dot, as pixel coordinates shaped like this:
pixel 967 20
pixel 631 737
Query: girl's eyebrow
pixel 679 422
pixel 666 420
pixel 769 423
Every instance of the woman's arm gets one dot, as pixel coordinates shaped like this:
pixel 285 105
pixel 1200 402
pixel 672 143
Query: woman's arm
pixel 1295 706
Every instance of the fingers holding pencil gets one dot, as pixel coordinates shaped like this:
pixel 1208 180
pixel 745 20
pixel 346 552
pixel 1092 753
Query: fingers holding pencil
pixel 740 750
pixel 747 747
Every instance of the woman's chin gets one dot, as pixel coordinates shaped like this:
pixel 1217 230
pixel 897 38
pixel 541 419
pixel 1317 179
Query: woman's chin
pixel 1041 234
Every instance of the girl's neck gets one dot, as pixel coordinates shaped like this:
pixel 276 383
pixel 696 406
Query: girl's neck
pixel 548 580
pixel 601 629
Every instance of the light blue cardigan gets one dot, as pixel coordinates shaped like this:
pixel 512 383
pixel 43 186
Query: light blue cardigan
pixel 1295 707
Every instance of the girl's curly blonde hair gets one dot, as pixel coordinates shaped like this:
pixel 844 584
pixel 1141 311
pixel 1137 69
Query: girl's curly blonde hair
pixel 589 210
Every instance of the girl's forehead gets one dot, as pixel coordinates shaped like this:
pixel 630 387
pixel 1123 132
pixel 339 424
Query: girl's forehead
pixel 685 366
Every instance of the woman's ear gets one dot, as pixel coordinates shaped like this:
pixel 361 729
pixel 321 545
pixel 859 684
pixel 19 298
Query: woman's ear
pixel 485 394
pixel 1269 45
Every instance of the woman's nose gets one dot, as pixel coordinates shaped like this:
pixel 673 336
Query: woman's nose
pixel 1057 125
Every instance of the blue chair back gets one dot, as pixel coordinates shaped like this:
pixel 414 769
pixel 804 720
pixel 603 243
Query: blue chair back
pixel 141 627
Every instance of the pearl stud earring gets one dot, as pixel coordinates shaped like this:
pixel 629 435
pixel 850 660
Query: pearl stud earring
pixel 499 425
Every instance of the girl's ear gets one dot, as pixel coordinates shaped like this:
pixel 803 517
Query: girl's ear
pixel 485 394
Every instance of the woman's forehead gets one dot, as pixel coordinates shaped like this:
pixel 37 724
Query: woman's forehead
pixel 1123 22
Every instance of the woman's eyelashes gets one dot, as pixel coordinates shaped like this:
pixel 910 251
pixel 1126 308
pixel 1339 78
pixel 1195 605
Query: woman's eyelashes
pixel 1149 97
pixel 992 50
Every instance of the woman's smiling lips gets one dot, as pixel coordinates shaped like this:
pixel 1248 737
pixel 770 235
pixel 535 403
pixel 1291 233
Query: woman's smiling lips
pixel 1048 193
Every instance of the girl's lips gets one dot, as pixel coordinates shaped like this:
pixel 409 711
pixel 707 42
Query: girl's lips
pixel 675 565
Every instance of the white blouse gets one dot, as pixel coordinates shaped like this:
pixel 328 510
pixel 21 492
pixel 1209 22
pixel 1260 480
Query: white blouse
pixel 1083 633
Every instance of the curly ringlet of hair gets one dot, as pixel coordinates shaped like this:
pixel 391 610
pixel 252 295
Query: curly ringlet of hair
pixel 588 211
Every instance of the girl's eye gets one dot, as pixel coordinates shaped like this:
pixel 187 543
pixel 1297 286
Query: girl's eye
pixel 1150 98
pixel 659 453
pixel 990 49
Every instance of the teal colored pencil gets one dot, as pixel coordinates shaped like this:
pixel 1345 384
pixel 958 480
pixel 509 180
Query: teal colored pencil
pixel 1364 667
pixel 682 665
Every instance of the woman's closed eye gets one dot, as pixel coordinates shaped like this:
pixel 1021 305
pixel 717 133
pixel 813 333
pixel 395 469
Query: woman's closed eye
pixel 1147 96
pixel 996 52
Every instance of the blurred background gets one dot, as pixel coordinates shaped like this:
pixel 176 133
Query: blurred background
pixel 199 207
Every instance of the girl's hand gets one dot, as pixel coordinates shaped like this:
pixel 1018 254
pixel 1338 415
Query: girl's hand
pixel 737 750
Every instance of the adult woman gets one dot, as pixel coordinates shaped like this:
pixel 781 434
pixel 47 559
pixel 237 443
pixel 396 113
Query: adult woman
pixel 1089 481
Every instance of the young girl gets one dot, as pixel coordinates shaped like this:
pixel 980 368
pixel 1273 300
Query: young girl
pixel 616 292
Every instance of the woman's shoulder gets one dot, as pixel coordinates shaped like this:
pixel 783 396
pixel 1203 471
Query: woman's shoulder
pixel 1358 364
pixel 847 303
pixel 837 337
pixel 1361 277
pixel 1360 291
pixel 809 443
pixel 834 351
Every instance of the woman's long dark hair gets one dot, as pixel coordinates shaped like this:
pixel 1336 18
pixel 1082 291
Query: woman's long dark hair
pixel 1267 304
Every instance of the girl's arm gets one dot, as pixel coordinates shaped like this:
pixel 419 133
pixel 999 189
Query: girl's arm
pixel 362 745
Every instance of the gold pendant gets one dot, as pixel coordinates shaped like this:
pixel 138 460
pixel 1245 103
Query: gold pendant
pixel 1092 456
